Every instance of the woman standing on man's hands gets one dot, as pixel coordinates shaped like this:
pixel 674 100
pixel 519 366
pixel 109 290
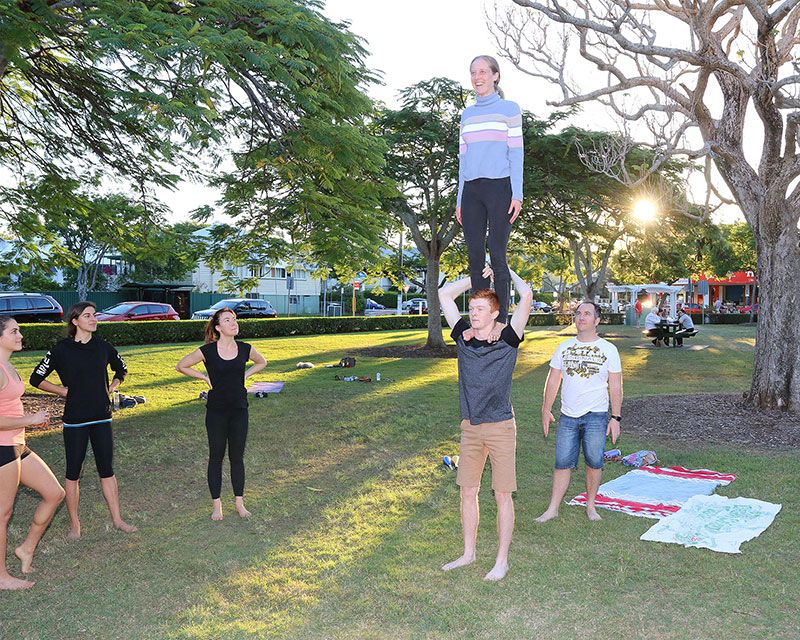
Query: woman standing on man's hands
pixel 489 179
pixel 226 408
pixel 81 361
pixel 18 464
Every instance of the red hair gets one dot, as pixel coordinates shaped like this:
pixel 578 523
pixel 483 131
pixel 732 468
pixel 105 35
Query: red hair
pixel 486 294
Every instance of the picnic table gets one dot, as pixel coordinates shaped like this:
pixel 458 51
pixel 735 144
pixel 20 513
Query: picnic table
pixel 668 330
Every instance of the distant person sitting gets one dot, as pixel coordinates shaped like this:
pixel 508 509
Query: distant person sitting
pixel 687 327
pixel 718 305
pixel 652 326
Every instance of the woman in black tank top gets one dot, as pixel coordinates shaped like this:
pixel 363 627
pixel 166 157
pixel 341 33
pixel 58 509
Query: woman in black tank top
pixel 226 408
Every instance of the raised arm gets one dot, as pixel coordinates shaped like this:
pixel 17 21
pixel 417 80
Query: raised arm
pixel 447 299
pixel 520 316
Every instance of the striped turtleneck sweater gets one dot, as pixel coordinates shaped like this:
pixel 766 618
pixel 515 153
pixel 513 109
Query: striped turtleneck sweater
pixel 490 143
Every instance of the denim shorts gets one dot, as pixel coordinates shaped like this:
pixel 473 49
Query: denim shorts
pixel 588 431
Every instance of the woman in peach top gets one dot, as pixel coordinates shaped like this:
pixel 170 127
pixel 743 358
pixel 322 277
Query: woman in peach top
pixel 18 464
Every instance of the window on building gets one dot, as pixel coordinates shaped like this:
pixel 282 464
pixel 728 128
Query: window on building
pixel 277 272
pixel 259 272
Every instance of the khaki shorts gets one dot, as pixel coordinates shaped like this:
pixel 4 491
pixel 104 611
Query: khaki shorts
pixel 499 441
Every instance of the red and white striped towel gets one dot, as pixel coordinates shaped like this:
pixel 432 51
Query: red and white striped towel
pixel 644 507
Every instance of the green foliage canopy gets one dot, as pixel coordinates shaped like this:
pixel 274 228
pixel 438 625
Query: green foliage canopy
pixel 134 90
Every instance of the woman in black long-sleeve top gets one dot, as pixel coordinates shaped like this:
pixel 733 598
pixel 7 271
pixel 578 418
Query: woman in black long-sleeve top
pixel 81 361
pixel 226 408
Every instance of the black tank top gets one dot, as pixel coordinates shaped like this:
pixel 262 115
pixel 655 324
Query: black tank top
pixel 227 377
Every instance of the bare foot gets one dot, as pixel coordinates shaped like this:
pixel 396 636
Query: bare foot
pixel 124 526
pixel 25 558
pixel 468 335
pixel 243 513
pixel 13 584
pixel 463 561
pixel 547 515
pixel 498 572
pixel 74 532
pixel 217 513
pixel 592 514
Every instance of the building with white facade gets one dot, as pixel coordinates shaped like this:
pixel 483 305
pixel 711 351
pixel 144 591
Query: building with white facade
pixel 273 285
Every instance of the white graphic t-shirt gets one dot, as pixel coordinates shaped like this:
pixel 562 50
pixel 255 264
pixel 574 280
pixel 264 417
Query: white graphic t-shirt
pixel 584 370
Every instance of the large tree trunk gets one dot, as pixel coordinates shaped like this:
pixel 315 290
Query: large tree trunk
pixel 435 338
pixel 776 369
pixel 591 286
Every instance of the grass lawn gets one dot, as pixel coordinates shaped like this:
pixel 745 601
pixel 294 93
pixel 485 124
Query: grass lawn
pixel 353 514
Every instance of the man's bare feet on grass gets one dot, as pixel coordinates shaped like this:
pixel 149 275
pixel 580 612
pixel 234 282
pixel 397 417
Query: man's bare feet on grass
pixel 243 513
pixel 547 515
pixel 463 561
pixel 592 514
pixel 124 526
pixel 25 559
pixel 498 572
pixel 217 513
pixel 74 532
pixel 9 583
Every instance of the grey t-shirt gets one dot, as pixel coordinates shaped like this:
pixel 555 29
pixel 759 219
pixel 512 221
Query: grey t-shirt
pixel 484 375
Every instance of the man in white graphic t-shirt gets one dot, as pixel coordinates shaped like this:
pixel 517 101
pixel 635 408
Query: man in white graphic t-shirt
pixel 587 367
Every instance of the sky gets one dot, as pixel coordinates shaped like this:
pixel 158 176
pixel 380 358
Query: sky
pixel 413 40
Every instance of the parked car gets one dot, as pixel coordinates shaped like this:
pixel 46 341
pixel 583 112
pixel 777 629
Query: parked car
pixel 692 307
pixel 412 305
pixel 138 310
pixel 541 307
pixel 371 304
pixel 242 307
pixel 30 307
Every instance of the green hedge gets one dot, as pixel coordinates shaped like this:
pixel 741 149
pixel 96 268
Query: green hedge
pixel 43 336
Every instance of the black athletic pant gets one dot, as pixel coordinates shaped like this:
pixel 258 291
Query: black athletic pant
pixel 226 427
pixel 76 439
pixel 486 201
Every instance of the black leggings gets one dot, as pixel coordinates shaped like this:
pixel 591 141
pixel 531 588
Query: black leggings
pixel 486 201
pixel 76 440
pixel 229 427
